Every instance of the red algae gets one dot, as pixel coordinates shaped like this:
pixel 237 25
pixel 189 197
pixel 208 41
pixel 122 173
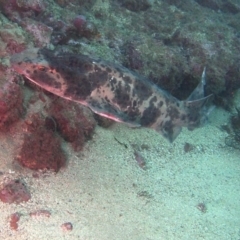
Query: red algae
pixel 73 122
pixel 11 104
pixel 14 191
pixel 41 148
pixel 13 221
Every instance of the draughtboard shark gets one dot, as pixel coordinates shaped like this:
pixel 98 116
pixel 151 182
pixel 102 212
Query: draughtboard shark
pixel 112 91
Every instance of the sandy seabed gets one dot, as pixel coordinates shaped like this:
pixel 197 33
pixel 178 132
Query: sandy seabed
pixel 106 195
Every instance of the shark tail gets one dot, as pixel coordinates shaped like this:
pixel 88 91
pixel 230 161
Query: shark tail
pixel 194 112
pixel 197 105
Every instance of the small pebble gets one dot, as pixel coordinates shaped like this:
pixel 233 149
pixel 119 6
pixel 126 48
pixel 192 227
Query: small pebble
pixel 140 160
pixel 13 221
pixel 40 213
pixel 188 147
pixel 202 207
pixel 66 227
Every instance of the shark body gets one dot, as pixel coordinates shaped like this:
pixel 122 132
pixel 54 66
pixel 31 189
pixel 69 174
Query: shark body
pixel 112 91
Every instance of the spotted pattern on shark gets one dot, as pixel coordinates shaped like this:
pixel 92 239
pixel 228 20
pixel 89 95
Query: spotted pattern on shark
pixel 112 91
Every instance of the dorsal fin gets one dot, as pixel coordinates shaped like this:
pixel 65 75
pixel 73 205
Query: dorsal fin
pixel 198 92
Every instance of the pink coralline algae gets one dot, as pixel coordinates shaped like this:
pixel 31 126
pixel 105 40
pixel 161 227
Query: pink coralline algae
pixel 24 8
pixel 74 29
pixel 79 22
pixel 11 40
pixel 85 28
pixel 31 5
pixel 40 32
pixel 14 191
pixel 24 13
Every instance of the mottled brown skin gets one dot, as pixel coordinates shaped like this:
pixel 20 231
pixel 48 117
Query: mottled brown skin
pixel 111 91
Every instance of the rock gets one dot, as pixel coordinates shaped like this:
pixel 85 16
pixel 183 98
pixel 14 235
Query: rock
pixel 13 221
pixel 67 226
pixel 14 191
pixel 11 104
pixel 41 148
pixel 40 213
pixel 75 123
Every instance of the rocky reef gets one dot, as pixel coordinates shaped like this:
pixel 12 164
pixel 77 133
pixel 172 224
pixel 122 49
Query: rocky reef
pixel 170 42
